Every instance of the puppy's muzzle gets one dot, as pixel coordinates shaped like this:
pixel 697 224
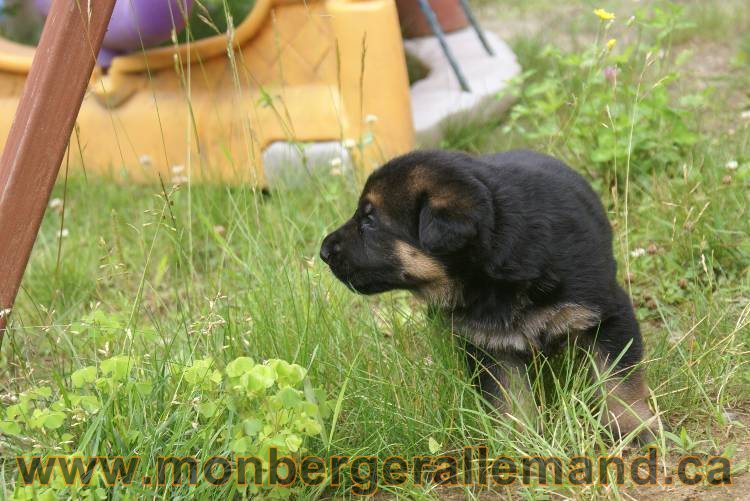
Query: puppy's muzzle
pixel 331 248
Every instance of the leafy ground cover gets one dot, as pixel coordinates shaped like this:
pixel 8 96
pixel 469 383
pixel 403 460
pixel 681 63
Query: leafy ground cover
pixel 195 320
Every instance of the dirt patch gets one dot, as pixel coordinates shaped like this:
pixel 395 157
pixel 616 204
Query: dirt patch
pixel 738 432
pixel 544 24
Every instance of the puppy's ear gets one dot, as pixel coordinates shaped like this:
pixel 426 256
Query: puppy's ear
pixel 442 231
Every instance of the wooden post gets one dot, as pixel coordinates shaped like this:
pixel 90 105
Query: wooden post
pixel 44 120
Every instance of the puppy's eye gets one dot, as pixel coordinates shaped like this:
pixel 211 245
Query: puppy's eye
pixel 367 220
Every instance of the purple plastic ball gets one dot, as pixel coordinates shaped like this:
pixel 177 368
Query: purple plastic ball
pixel 137 23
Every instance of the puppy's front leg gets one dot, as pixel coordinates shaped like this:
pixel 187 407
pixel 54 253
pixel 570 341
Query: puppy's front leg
pixel 502 378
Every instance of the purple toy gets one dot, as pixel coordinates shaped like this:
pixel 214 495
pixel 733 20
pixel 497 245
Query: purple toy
pixel 137 23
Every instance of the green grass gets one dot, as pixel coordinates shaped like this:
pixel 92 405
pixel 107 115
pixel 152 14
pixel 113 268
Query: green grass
pixel 222 272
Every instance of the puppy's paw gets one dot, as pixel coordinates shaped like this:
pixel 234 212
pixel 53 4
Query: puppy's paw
pixel 639 433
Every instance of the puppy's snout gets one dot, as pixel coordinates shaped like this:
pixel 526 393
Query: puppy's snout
pixel 330 248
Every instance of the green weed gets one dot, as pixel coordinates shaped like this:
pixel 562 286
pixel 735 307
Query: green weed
pixel 153 288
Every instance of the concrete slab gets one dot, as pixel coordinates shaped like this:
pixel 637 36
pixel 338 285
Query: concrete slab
pixel 439 98
pixel 291 163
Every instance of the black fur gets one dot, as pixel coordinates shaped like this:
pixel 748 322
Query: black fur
pixel 516 232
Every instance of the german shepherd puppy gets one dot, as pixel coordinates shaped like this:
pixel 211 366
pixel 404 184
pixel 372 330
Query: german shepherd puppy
pixel 515 249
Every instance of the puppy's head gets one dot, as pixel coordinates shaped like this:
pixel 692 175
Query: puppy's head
pixel 417 217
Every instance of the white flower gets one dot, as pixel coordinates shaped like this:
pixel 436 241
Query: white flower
pixel 638 252
pixel 731 165
pixel 63 233
pixel 56 203
pixel 336 171
pixel 145 160
pixel 371 119
pixel 745 115
pixel 180 179
pixel 336 162
pixel 176 169
pixel 349 144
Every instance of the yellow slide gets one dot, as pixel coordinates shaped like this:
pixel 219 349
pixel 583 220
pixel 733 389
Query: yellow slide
pixel 292 71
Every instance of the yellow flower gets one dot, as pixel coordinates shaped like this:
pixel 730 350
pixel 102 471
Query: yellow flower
pixel 611 43
pixel 604 15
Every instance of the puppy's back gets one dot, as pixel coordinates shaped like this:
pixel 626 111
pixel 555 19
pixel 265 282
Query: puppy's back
pixel 548 176
pixel 543 168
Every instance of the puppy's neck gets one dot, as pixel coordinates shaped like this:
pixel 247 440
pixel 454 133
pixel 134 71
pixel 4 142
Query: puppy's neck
pixel 444 294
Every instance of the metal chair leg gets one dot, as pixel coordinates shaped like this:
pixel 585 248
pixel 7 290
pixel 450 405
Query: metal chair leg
pixel 475 24
pixel 438 31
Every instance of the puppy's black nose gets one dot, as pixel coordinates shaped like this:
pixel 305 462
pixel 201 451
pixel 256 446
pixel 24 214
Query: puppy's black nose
pixel 330 248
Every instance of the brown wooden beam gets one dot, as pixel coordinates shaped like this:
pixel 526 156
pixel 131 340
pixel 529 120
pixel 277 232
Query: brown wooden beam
pixel 41 130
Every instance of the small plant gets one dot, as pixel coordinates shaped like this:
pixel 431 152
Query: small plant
pixel 609 108
pixel 247 409
pixel 682 442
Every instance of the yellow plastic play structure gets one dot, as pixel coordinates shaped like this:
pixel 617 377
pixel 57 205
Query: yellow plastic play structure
pixel 294 71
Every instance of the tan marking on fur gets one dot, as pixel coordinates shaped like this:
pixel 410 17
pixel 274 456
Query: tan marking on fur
pixel 374 197
pixel 569 317
pixel 440 197
pixel 494 339
pixel 516 399
pixel 420 179
pixel 418 264
pixel 438 287
pixel 626 402
pixel 527 327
